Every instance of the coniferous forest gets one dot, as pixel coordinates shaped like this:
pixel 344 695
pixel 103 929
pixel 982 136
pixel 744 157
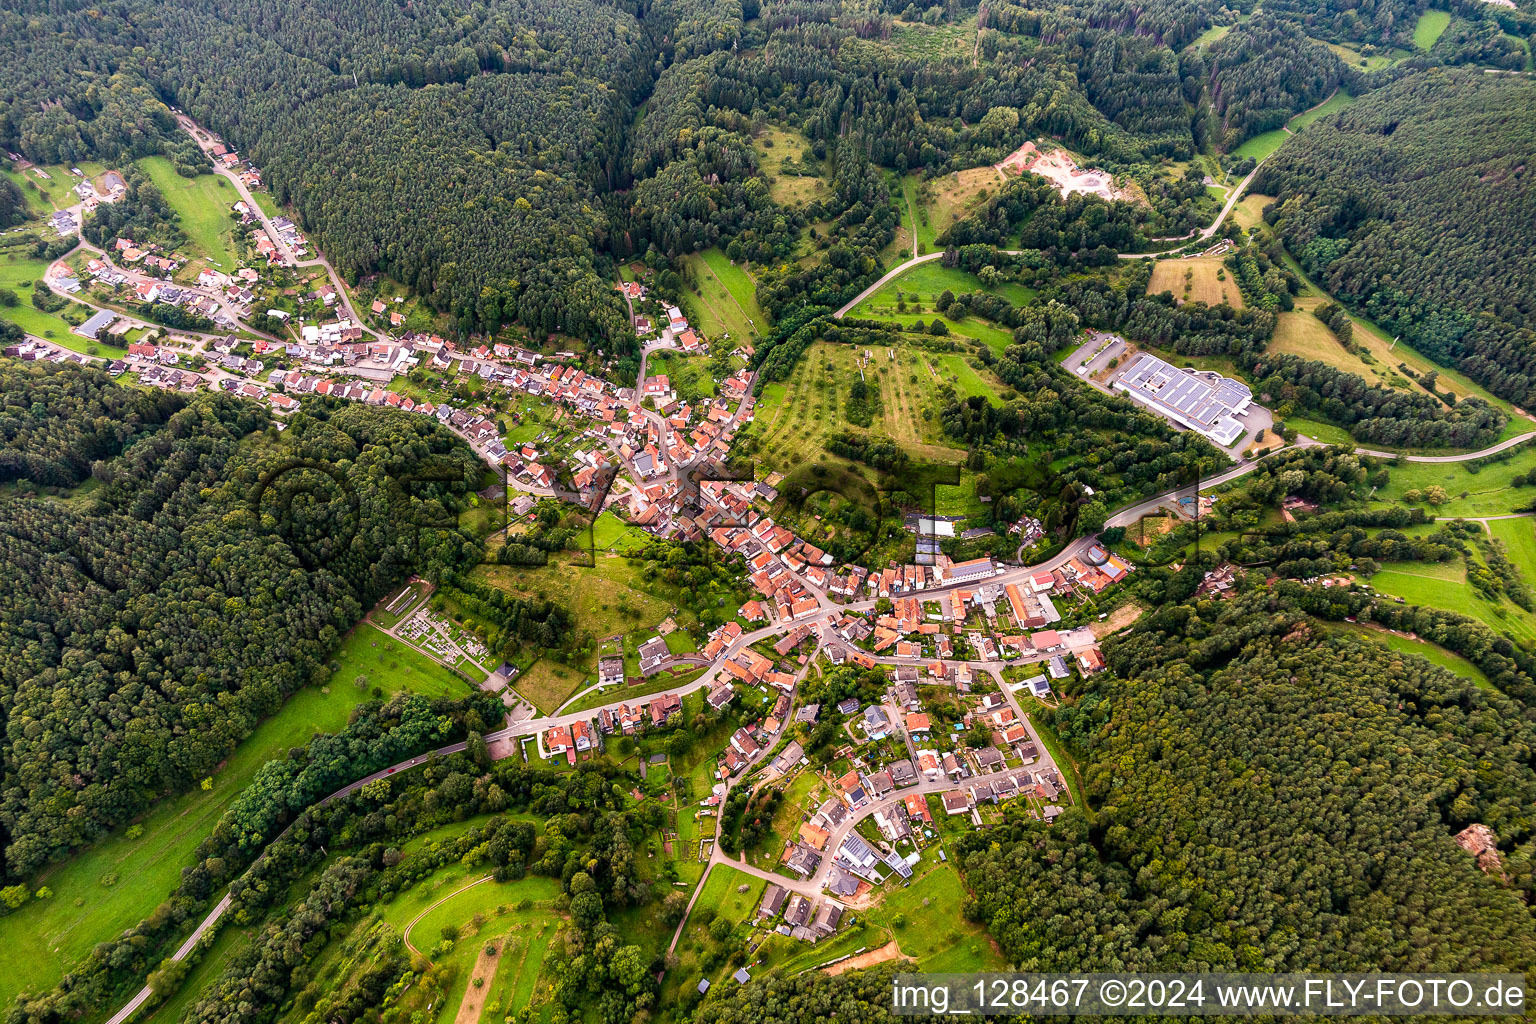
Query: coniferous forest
pixel 148 628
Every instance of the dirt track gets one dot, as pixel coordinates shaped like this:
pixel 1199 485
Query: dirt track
pixel 474 995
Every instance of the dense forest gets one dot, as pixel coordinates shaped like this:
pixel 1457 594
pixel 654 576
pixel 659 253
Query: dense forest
pixel 1414 207
pixel 149 625
pixel 1270 794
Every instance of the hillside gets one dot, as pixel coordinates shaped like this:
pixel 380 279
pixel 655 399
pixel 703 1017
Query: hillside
pixel 1414 208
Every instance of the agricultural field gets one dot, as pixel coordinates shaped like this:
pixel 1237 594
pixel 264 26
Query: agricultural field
pixel 804 180
pixel 110 886
pixel 1202 279
pixel 723 299
pixel 1383 353
pixel 203 203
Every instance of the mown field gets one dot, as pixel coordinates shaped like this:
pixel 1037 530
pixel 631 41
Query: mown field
pixel 100 891
pixel 1444 585
pixel 1202 279
pixel 1483 492
pixel 1430 26
pixel 723 300
pixel 203 203
pixel 19 273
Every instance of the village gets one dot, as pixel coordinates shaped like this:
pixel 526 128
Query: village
pixel 949 655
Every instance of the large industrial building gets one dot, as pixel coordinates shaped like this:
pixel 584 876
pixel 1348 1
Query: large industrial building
pixel 1205 402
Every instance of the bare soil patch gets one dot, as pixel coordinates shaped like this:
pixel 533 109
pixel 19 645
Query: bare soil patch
pixel 474 995
pixel 1118 619
pixel 1062 170
pixel 887 952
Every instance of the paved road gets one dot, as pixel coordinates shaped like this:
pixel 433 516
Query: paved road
pixel 178 956
pixel 1493 450
pixel 201 137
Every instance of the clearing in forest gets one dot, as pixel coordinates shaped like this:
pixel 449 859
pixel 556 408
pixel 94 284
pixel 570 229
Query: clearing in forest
pixel 937 203
pixel 795 176
pixel 1202 279
pixel 1059 167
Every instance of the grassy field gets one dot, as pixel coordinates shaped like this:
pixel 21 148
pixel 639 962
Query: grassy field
pixel 1486 492
pixel 934 42
pixel 55 192
pixel 940 202
pixel 794 419
pixel 612 599
pixel 1430 26
pixel 1519 537
pixel 1260 146
pixel 910 298
pixel 1444 585
pixel 774 145
pixel 922 919
pixel 113 884
pixel 612 533
pixel 203 204
pixel 1386 351
pixel 964 377
pixel 1337 102
pixel 1210 35
pixel 1375 62
pixel 1424 649
pixel 519 917
pixel 1196 280
pixel 689 375
pixel 230 941
pixel 724 299
pixel 18 272
pixel 37 199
